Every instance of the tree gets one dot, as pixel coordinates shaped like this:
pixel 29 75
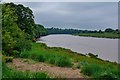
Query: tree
pixel 40 30
pixel 100 31
pixel 11 33
pixel 109 30
pixel 25 20
pixel 19 28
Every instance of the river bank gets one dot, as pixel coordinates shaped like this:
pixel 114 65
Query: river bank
pixel 100 35
pixel 66 58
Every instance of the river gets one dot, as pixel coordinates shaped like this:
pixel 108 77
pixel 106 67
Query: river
pixel 106 49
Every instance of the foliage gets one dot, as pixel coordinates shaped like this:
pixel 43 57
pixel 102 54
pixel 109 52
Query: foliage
pixel 11 33
pixel 101 35
pixel 92 55
pixel 19 28
pixel 109 30
pixel 62 31
pixel 99 71
pixel 18 31
pixel 25 19
pixel 63 57
pixel 47 56
pixel 40 31
pixel 58 56
pixel 107 33
pixel 63 61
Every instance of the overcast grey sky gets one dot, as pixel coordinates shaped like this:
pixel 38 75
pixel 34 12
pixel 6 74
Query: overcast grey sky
pixel 77 15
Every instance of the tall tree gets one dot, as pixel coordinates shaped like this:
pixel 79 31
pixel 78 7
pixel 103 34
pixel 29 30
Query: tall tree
pixel 11 33
pixel 19 28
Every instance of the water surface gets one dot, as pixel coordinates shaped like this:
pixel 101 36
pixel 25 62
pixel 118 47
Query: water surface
pixel 106 49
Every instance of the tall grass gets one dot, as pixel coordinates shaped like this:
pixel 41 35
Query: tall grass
pixel 65 58
pixel 48 56
pixel 102 72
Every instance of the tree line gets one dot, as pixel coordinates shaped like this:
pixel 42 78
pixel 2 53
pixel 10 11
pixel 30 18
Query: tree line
pixel 76 31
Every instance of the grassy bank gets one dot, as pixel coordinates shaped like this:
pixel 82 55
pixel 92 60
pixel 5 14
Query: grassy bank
pixel 66 58
pixel 100 35
pixel 42 53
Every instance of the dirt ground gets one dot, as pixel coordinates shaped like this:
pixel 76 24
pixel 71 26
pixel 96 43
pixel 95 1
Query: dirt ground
pixel 54 71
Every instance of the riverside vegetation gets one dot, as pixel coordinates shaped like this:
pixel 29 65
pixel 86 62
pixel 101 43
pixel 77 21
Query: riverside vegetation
pixel 101 35
pixel 18 39
pixel 107 33
pixel 66 58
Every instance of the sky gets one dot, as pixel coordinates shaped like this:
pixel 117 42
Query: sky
pixel 60 0
pixel 76 15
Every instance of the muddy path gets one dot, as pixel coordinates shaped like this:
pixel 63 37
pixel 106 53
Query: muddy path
pixel 54 71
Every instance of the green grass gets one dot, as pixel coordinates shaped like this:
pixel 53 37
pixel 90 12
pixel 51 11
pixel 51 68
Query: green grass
pixel 100 71
pixel 66 58
pixel 11 73
pixel 43 54
pixel 100 35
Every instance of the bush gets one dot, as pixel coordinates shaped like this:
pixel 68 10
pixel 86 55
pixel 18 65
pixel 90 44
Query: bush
pixel 40 58
pixel 107 76
pixel 15 53
pixel 92 55
pixel 52 59
pixel 24 54
pixel 63 61
pixel 99 72
pixel 33 56
pixel 39 75
pixel 90 69
pixel 22 45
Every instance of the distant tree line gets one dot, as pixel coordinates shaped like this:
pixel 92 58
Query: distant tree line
pixel 76 31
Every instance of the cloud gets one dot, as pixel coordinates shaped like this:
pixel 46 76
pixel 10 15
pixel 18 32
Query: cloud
pixel 80 15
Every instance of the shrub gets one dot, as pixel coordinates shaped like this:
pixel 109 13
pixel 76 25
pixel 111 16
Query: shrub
pixel 33 56
pixel 99 72
pixel 90 69
pixel 24 54
pixel 15 53
pixel 40 58
pixel 63 61
pixel 39 75
pixel 52 59
pixel 92 55
pixel 106 76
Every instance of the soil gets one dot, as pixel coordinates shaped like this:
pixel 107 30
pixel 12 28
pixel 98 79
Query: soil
pixel 53 71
